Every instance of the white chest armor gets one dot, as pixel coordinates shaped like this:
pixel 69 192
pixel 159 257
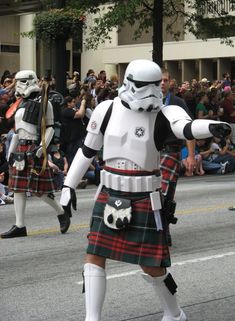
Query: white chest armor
pixel 24 129
pixel 130 136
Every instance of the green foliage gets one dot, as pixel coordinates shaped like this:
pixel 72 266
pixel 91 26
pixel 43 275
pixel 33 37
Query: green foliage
pixel 55 24
pixel 142 11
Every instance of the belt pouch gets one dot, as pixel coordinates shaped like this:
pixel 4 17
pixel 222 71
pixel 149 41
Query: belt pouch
pixel 19 160
pixel 117 213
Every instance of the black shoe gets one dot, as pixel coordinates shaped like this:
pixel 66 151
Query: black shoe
pixel 15 232
pixel 64 220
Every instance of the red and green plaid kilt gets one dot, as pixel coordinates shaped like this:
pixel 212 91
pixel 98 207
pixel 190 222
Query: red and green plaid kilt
pixel 140 243
pixel 26 181
pixel 170 169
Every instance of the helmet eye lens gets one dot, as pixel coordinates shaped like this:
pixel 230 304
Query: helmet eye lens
pixel 140 84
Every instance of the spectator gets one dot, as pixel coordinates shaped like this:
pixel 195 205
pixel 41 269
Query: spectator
pixel 201 110
pixel 226 80
pixel 198 170
pixel 170 155
pixel 210 166
pixel 89 76
pixel 5 74
pixel 228 111
pixel 59 164
pixel 205 84
pixel 4 198
pixel 102 76
pixel 73 128
pixel 213 104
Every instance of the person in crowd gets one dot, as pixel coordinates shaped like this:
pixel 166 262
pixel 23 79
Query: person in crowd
pixel 4 197
pixel 59 164
pixel 226 81
pixel 102 76
pixel 209 153
pixel 73 128
pixel 204 85
pixel 90 75
pixel 29 169
pixel 6 74
pixel 201 110
pixel 198 170
pixel 3 160
pixel 171 152
pixel 126 223
pixel 228 110
pixel 213 104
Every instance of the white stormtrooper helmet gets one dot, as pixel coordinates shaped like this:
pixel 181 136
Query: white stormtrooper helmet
pixel 141 88
pixel 26 83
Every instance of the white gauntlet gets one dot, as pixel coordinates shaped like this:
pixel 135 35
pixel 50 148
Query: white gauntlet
pixel 13 144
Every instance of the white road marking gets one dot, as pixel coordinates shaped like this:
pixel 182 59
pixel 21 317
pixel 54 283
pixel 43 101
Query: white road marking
pixel 200 259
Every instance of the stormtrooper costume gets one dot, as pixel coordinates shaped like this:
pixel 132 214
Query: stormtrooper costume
pixel 25 155
pixel 128 221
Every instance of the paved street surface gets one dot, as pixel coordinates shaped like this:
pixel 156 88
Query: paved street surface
pixel 41 275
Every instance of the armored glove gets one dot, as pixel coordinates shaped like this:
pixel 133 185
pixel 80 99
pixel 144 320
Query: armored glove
pixel 68 197
pixel 221 130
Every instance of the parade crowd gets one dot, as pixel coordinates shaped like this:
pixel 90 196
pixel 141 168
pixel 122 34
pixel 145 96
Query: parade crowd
pixel 205 99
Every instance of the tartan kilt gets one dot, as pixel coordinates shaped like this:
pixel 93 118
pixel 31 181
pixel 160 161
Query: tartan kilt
pixel 170 169
pixel 140 243
pixel 26 181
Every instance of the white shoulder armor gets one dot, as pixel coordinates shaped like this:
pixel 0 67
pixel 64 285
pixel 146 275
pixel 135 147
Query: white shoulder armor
pixel 174 113
pixel 97 117
pixel 178 119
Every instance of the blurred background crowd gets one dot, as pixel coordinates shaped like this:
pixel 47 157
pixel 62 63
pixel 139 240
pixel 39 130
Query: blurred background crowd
pixel 205 100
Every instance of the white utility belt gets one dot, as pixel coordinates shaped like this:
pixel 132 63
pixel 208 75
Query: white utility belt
pixel 130 183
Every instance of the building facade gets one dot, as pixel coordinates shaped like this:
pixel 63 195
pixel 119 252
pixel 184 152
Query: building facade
pixel 185 59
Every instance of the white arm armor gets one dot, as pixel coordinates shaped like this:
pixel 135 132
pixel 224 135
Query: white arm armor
pixel 76 172
pixel 178 119
pixel 77 169
pixel 13 144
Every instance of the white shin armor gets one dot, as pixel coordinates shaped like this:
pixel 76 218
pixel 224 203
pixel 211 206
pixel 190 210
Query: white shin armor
pixel 165 288
pixel 95 288
pixel 19 206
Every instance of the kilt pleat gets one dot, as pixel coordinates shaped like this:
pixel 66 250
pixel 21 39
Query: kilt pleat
pixel 140 243
pixel 26 180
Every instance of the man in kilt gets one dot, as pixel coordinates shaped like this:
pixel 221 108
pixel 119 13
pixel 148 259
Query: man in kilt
pixel 29 170
pixel 171 151
pixel 129 222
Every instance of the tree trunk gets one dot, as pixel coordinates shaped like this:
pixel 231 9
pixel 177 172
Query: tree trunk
pixel 60 59
pixel 157 53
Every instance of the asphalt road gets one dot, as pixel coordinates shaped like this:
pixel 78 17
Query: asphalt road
pixel 41 275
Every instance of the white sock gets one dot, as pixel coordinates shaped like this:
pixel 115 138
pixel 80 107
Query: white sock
pixel 53 203
pixel 19 206
pixel 169 302
pixel 95 289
